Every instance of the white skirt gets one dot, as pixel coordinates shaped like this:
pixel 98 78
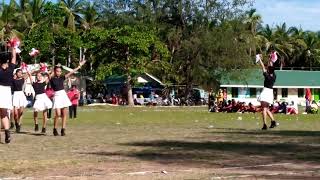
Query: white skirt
pixel 42 103
pixel 19 99
pixel 266 95
pixel 5 97
pixel 61 100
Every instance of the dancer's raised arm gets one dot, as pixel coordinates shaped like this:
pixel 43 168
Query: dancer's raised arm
pixel 262 65
pixel 30 76
pixel 13 56
pixel 75 69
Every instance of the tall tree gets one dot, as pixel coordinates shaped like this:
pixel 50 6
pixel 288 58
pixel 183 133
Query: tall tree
pixel 72 9
pixel 127 50
pixel 253 20
pixel 90 17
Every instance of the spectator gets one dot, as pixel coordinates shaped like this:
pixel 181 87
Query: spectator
pixel 74 97
pixel 251 108
pixel 211 99
pixel 225 95
pixel 114 100
pixel 282 108
pixel 292 108
pixel 314 107
pixel 308 98
pixel 274 108
pixel 220 96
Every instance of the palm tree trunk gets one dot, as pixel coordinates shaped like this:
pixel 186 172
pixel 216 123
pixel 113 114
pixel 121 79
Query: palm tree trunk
pixel 53 60
pixel 69 57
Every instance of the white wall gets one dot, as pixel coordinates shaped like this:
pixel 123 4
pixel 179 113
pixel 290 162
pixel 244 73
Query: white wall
pixel 292 96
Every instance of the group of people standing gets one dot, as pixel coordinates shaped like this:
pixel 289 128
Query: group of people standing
pixel 13 100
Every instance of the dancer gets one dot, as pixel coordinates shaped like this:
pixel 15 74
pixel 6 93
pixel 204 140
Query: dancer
pixel 19 99
pixel 60 100
pixel 6 77
pixel 42 102
pixel 266 97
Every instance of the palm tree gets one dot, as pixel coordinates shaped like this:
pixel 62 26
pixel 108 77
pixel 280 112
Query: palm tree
pixel 90 16
pixel 73 9
pixel 264 38
pixel 311 54
pixel 29 13
pixel 278 39
pixel 7 21
pixel 253 20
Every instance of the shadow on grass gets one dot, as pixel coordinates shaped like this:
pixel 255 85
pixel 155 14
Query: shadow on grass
pixel 30 133
pixel 274 132
pixel 225 154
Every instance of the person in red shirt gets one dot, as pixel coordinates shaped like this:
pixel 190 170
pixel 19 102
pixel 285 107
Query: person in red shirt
pixel 114 99
pixel 74 96
pixel 308 99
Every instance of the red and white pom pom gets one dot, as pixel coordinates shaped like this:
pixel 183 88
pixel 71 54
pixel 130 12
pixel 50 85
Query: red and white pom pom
pixel 273 56
pixel 43 67
pixel 15 43
pixel 258 57
pixel 24 67
pixel 34 52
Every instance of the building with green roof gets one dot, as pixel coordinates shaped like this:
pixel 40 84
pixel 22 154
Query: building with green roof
pixel 290 85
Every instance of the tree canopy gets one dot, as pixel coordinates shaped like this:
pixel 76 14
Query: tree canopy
pixel 180 41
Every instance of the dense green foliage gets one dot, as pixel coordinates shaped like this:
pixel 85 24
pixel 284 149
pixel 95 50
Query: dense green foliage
pixel 179 41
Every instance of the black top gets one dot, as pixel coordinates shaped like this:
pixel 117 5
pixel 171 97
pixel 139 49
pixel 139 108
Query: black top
pixel 211 97
pixel 57 83
pixel 39 88
pixel 6 75
pixel 17 84
pixel 269 80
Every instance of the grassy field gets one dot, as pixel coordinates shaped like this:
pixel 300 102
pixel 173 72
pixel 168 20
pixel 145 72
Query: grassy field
pixel 166 143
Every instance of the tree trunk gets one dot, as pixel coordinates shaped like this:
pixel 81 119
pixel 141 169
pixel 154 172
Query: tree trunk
pixel 129 80
pixel 53 60
pixel 188 80
pixel 69 57
pixel 129 88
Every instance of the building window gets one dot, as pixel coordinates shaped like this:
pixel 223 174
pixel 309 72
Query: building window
pixel 275 94
pixel 284 92
pixel 234 92
pixel 253 92
pixel 300 93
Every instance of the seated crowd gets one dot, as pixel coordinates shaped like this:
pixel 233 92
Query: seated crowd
pixel 233 106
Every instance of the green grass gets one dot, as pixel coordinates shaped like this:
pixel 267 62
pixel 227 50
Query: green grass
pixel 189 143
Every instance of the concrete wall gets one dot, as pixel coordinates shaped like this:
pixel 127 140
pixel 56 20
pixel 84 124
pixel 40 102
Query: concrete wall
pixel 292 96
pixel 243 97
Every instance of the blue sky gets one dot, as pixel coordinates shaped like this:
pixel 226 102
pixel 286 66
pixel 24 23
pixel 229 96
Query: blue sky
pixel 304 13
